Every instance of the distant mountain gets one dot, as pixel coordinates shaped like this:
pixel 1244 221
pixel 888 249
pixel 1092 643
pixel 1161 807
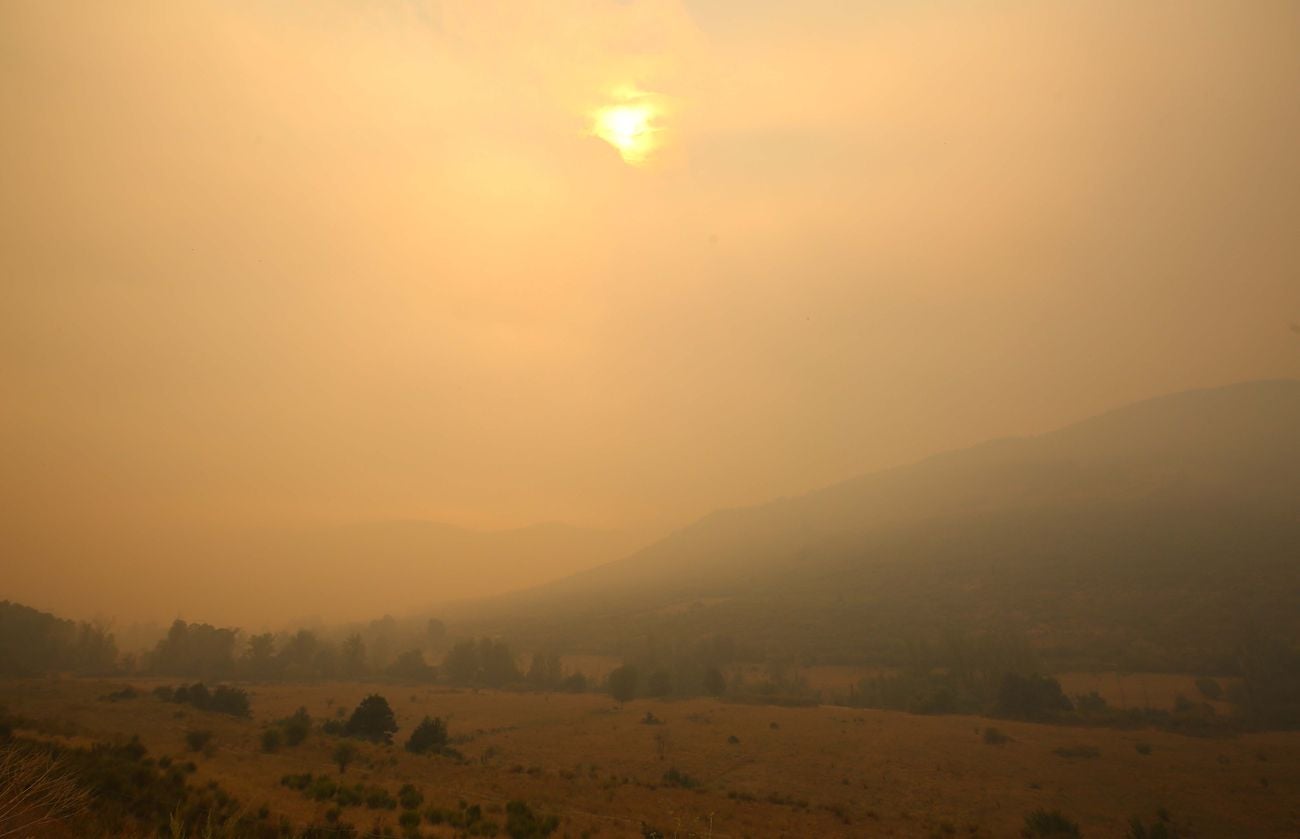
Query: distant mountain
pixel 362 571
pixel 1193 496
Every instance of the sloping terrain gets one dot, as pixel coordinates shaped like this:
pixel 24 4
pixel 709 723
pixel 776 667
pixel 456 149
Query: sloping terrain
pixel 1157 531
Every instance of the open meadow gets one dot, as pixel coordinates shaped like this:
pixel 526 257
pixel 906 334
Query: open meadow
pixel 696 767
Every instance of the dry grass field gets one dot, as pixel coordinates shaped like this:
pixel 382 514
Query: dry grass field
pixel 757 770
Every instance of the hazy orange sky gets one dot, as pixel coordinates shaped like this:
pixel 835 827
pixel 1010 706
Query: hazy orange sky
pixel 285 263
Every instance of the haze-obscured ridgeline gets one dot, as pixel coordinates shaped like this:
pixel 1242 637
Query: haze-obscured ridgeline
pixel 1162 537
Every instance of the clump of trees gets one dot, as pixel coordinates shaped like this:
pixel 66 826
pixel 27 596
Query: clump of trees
pixel 662 667
pixel 368 651
pixel 223 699
pixel 485 662
pixel 1031 697
pixel 32 642
pixel 410 666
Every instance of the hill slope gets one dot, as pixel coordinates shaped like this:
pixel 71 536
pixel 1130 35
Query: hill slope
pixel 1183 510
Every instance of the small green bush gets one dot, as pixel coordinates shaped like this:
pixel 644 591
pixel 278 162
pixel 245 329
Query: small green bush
pixel 523 823
pixel 409 797
pixel 1079 751
pixel 197 740
pixel 994 737
pixel 1042 824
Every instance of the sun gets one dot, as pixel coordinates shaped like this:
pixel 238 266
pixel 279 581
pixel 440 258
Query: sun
pixel 629 126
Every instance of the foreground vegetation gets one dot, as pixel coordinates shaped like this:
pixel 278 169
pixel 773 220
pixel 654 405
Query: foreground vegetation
pixel 525 764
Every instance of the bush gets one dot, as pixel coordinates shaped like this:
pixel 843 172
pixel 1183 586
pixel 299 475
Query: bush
pixel 322 789
pixel 344 754
pixel 1077 751
pixel 675 778
pixel 298 782
pixel 377 798
pixel 523 823
pixel 271 740
pixel 296 727
pixel 994 737
pixel 1143 748
pixel 429 736
pixel 622 683
pixel 1161 828
pixel 347 796
pixel 409 797
pixel 1042 824
pixel 1209 688
pixel 197 740
pixel 222 700
pixel 409 819
pixel 372 720
pixel 1030 697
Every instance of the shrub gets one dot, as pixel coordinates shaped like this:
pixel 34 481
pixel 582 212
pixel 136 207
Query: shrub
pixel 322 789
pixel 1159 829
pixel 1077 751
pixel 994 737
pixel 347 796
pixel 296 727
pixel 222 700
pixel 197 740
pixel 1209 688
pixel 1030 697
pixel 377 798
pixel 523 823
pixel 271 740
pixel 429 736
pixel 344 753
pixel 409 819
pixel 298 782
pixel 372 720
pixel 675 778
pixel 1143 748
pixel 409 797
pixel 622 683
pixel 229 700
pixel 1042 824
pixel 127 692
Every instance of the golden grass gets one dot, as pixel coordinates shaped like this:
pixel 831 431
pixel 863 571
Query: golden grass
pixel 794 772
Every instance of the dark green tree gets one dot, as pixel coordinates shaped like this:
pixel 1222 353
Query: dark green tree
pixel 372 720
pixel 429 736
pixel 622 683
pixel 462 665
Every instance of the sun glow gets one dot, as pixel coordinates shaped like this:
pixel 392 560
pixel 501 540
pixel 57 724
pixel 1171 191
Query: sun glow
pixel 629 126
